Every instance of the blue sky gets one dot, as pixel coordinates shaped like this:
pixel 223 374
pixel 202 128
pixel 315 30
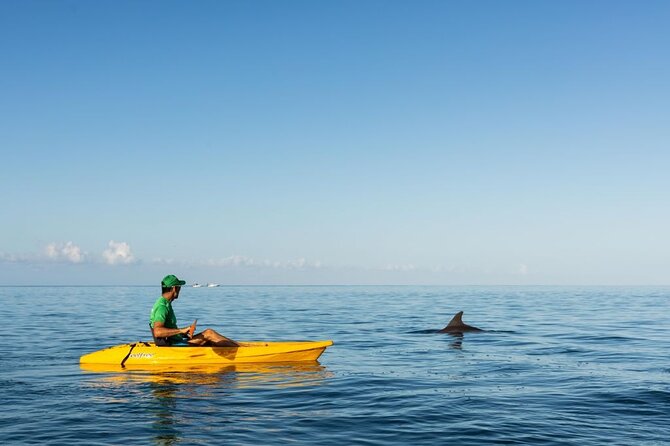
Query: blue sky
pixel 374 142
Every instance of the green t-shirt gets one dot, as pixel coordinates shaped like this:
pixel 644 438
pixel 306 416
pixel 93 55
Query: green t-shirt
pixel 162 312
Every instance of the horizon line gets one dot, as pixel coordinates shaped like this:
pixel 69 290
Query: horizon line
pixel 335 285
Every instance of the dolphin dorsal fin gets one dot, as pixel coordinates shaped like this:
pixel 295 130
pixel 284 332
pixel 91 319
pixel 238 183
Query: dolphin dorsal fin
pixel 456 321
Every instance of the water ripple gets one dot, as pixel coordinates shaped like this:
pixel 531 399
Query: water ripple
pixel 578 366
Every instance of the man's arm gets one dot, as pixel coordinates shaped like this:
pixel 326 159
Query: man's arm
pixel 160 331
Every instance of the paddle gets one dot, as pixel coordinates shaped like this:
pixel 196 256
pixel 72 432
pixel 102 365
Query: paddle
pixel 191 329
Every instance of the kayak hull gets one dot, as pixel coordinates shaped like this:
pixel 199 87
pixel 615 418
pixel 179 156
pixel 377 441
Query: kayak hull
pixel 147 353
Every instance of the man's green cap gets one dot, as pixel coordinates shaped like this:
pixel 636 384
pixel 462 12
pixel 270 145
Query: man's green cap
pixel 171 280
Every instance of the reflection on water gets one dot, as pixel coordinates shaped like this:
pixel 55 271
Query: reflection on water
pixel 457 342
pixel 237 376
pixel 169 385
pixel 164 424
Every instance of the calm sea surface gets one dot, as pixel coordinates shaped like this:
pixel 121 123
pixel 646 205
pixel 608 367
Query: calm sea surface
pixel 556 366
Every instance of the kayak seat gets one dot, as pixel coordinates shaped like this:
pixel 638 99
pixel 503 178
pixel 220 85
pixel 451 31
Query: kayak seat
pixel 163 342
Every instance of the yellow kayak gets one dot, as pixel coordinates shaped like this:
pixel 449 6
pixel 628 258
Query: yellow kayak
pixel 148 354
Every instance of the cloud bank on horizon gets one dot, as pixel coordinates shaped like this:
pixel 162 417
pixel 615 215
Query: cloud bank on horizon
pixel 116 253
pixel 120 253
pixel 119 256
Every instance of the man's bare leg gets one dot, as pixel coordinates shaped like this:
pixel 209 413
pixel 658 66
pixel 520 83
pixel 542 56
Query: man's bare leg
pixel 211 337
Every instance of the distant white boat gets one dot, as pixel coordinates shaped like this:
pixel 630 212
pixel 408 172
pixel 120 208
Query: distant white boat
pixel 196 285
pixel 212 285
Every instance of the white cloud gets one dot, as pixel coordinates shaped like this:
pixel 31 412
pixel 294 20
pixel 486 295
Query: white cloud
pixel 301 263
pixel 238 261
pixel 13 258
pixel 118 253
pixel 230 261
pixel 68 252
pixel 297 264
pixel 162 261
pixel 523 269
pixel 408 267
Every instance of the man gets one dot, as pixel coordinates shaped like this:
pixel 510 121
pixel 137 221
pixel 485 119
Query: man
pixel 163 321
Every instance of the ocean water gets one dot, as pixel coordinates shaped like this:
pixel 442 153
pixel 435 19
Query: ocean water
pixel 556 366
